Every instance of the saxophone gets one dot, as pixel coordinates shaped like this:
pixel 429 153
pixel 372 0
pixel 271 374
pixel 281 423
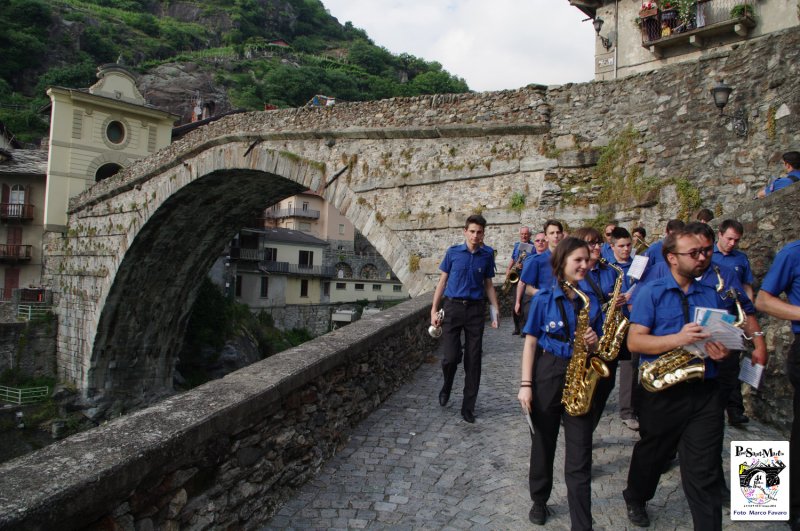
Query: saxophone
pixel 730 294
pixel 513 275
pixel 616 325
pixel 581 380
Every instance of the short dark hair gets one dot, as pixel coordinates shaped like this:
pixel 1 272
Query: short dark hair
pixel 675 224
pixel 704 214
pixel 701 229
pixel 553 222
pixel 671 241
pixel 588 233
pixel 731 224
pixel 565 248
pixel 640 230
pixel 792 158
pixel 476 219
pixel 619 233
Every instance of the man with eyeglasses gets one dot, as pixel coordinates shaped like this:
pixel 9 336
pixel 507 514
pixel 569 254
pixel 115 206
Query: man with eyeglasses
pixel 686 416
pixel 524 237
pixel 784 277
pixel 540 242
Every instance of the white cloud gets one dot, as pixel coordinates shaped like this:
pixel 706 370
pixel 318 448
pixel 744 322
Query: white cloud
pixel 498 44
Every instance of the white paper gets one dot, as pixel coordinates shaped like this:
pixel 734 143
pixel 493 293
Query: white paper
pixel 493 314
pixel 717 323
pixel 638 266
pixel 751 374
pixel 528 418
pixel 527 247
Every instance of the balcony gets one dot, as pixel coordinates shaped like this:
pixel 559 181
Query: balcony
pixel 286 268
pixel 14 253
pixel 244 253
pixel 709 19
pixel 15 211
pixel 291 213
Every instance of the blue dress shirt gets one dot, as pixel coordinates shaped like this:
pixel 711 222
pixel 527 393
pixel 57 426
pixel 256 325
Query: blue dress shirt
pixel 467 271
pixel 784 276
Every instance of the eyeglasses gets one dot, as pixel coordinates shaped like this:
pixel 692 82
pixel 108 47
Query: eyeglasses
pixel 608 234
pixel 694 253
pixel 594 243
pixel 539 241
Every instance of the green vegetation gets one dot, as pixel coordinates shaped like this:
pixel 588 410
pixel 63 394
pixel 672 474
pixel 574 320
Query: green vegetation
pixel 742 10
pixel 517 202
pixel 216 319
pixel 61 42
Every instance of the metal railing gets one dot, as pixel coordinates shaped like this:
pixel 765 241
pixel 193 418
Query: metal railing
pixel 291 212
pixel 296 269
pixel 28 312
pixel 705 14
pixel 15 252
pixel 19 396
pixel 15 211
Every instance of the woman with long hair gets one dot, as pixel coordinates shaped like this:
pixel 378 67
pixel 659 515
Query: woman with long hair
pixel 549 345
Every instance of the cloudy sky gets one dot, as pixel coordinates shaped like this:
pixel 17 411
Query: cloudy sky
pixel 492 44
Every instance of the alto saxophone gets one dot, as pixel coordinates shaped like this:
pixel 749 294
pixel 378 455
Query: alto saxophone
pixel 616 324
pixel 581 380
pixel 730 294
pixel 513 275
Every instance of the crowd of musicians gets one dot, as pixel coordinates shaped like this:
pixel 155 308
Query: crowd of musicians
pixel 582 317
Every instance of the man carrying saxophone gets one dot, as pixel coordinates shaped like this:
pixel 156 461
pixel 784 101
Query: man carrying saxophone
pixel 516 265
pixel 683 413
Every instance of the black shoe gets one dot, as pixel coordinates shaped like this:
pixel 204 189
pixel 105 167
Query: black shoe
pixel 538 513
pixel 737 419
pixel 637 514
pixel 468 415
pixel 515 333
pixel 444 396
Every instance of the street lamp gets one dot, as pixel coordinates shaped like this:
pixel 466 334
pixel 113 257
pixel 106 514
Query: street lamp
pixel 598 24
pixel 721 93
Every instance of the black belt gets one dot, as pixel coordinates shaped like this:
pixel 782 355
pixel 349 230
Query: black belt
pixel 466 302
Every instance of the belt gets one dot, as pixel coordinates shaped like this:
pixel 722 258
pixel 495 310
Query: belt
pixel 466 302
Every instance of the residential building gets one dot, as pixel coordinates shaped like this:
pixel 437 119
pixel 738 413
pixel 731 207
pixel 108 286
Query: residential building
pixel 637 36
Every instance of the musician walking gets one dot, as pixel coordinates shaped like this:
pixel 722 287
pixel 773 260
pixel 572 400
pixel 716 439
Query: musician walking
pixel 465 283
pixel 524 237
pixel 556 316
pixel 784 276
pixel 684 416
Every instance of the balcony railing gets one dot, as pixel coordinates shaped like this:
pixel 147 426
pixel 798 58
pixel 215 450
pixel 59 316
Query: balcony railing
pixel 11 252
pixel 291 212
pixel 709 18
pixel 296 269
pixel 16 211
pixel 243 253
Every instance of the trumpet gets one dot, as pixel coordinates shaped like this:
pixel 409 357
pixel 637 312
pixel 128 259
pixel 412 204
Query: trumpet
pixel 513 275
pixel 436 331
pixel 643 241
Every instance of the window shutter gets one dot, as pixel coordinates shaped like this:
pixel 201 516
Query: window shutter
pixel 6 193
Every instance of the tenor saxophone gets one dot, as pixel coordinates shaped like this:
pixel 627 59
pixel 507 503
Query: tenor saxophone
pixel 513 275
pixel 672 368
pixel 616 324
pixel 581 379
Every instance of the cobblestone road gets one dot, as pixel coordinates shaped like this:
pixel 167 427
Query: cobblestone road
pixel 415 465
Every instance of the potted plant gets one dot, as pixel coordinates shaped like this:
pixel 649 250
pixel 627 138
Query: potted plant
pixel 687 10
pixel 669 10
pixel 742 10
pixel 649 9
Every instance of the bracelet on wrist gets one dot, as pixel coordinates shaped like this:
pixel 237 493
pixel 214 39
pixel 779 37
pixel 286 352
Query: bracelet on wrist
pixel 525 385
pixel 758 334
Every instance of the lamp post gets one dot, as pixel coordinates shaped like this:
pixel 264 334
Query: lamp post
pixel 721 93
pixel 598 24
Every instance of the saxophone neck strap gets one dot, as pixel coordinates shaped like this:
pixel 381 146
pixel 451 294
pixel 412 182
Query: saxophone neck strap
pixel 596 288
pixel 563 312
pixel 684 306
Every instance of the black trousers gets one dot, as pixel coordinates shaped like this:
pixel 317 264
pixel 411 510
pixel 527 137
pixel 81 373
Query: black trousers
pixel 522 318
pixel 793 371
pixel 547 414
pixel 602 392
pixel 469 318
pixel 730 388
pixel 687 417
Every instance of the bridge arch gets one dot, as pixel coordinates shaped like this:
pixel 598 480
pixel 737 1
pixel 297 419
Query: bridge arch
pixel 137 247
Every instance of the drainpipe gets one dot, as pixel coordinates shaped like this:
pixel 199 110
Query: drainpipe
pixel 616 37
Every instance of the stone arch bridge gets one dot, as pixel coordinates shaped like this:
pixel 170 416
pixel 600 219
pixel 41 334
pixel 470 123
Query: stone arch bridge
pixel 406 172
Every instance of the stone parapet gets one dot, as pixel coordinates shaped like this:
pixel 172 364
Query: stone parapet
pixel 225 454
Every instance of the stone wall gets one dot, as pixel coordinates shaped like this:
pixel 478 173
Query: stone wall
pixel 315 317
pixel 29 347
pixel 767 230
pixel 226 454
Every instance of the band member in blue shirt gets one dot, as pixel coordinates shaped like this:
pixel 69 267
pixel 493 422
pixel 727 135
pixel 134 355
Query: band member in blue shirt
pixel 549 343
pixel 654 251
pixel 791 163
pixel 685 416
pixel 536 271
pixel 524 237
pixel 784 277
pixel 726 253
pixel 605 250
pixel 465 283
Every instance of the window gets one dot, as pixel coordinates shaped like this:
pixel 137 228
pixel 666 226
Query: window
pixel 238 288
pixel 105 171
pixel 305 206
pixel 306 259
pixel 271 254
pixel 264 287
pixel 397 288
pixel 376 287
pixel 17 196
pixel 304 227
pixel 359 287
pixel 115 132
pixel 341 228
pixel 341 285
pixel 304 287
pixel 326 289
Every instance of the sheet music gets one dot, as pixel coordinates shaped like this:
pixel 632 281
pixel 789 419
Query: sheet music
pixel 751 374
pixel 527 247
pixel 638 266
pixel 717 323
pixel 528 418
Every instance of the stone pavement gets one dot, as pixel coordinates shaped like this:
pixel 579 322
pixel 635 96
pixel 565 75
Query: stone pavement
pixel 415 465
